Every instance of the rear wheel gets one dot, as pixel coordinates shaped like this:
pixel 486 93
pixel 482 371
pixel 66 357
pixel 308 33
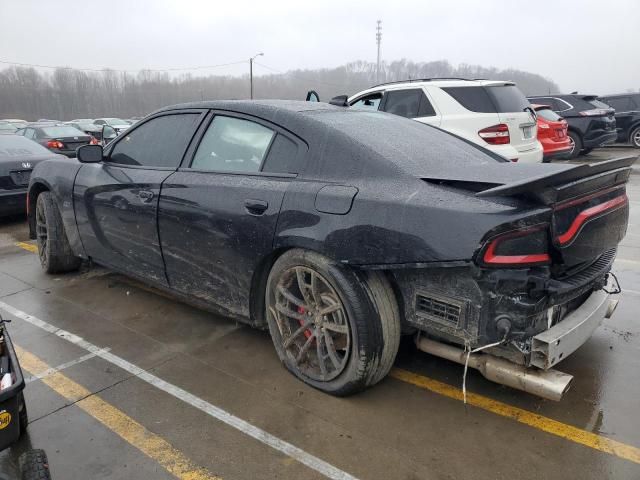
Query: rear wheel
pixel 576 142
pixel 333 328
pixel 634 138
pixel 54 250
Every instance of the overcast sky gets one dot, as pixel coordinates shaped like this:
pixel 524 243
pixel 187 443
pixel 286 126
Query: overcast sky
pixel 589 45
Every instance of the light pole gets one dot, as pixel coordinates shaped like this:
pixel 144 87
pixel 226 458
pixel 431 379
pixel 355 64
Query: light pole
pixel 251 73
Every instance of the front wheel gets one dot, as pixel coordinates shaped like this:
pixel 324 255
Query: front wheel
pixel 634 138
pixel 34 465
pixel 54 250
pixel 334 328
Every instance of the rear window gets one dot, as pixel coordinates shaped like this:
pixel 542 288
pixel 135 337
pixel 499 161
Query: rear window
pixel 12 146
pixel 62 132
pixel 508 98
pixel 475 99
pixel 599 104
pixel 548 114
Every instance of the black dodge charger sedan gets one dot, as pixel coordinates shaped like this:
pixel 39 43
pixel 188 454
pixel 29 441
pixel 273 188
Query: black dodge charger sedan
pixel 340 230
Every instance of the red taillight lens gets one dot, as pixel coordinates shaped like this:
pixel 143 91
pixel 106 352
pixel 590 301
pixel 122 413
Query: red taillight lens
pixel 94 141
pixel 518 248
pixel 496 134
pixel 55 144
pixel 596 112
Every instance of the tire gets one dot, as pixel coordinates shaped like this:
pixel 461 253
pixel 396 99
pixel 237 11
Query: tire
pixel 577 145
pixel 23 416
pixel 357 337
pixel 634 137
pixel 34 465
pixel 586 151
pixel 54 250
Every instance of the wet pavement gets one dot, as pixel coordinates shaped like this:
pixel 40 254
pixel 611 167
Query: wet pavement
pixel 157 389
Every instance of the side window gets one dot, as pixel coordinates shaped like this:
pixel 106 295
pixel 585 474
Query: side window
pixel 405 103
pixel 30 133
pixel 282 157
pixel 370 102
pixel 475 99
pixel 99 122
pixel 560 105
pixel 160 142
pixel 233 145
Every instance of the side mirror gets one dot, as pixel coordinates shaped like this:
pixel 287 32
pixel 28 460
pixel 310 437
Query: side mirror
pixel 312 96
pixel 108 134
pixel 89 153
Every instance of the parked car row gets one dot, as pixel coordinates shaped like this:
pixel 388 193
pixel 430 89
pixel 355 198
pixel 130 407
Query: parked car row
pixel 498 117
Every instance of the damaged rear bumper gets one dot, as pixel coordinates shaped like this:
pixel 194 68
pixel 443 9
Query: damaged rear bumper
pixel 553 345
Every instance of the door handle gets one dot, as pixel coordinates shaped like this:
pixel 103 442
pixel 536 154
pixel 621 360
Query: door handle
pixel 255 207
pixel 145 195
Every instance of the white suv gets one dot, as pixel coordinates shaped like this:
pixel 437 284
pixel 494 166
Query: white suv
pixel 493 114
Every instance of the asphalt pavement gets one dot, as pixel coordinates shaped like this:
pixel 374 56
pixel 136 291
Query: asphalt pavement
pixel 127 383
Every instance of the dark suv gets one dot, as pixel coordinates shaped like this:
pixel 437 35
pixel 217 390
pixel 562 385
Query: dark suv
pixel 627 108
pixel 591 122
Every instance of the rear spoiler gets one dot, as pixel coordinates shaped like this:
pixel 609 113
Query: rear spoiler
pixel 616 171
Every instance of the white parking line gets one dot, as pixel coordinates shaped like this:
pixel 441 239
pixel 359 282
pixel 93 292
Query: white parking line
pixel 63 366
pixel 218 413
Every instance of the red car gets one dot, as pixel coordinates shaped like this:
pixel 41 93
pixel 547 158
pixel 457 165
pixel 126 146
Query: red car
pixel 552 133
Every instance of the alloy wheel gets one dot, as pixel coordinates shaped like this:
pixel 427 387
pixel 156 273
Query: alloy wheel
pixel 313 323
pixel 42 236
pixel 636 138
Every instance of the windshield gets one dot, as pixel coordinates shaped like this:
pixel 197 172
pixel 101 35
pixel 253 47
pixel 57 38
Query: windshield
pixel 548 114
pixel 60 131
pixel 508 98
pixel 115 121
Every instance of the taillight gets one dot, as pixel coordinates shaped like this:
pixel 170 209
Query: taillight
pixel 496 134
pixel 518 248
pixel 55 144
pixel 596 112
pixel 94 141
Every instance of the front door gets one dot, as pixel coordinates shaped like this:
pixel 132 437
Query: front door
pixel 116 201
pixel 218 216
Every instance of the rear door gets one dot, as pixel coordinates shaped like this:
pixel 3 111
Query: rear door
pixel 218 214
pixel 410 103
pixel 626 112
pixel 116 201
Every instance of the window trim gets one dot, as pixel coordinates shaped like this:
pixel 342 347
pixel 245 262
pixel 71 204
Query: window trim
pixel 185 166
pixel 107 154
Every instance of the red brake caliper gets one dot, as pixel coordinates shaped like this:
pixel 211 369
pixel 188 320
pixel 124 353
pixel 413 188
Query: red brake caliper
pixel 303 311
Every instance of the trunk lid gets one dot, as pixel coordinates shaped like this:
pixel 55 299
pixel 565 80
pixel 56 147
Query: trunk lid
pixel 589 204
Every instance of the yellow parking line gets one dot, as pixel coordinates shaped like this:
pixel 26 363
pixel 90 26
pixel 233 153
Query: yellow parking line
pixel 554 427
pixel 30 247
pixel 173 461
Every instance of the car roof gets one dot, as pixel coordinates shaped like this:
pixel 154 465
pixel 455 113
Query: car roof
pixel 440 83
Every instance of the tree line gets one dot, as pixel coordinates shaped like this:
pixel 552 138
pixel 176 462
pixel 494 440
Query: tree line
pixel 65 93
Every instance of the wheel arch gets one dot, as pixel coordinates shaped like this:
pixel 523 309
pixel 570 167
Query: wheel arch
pixel 35 190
